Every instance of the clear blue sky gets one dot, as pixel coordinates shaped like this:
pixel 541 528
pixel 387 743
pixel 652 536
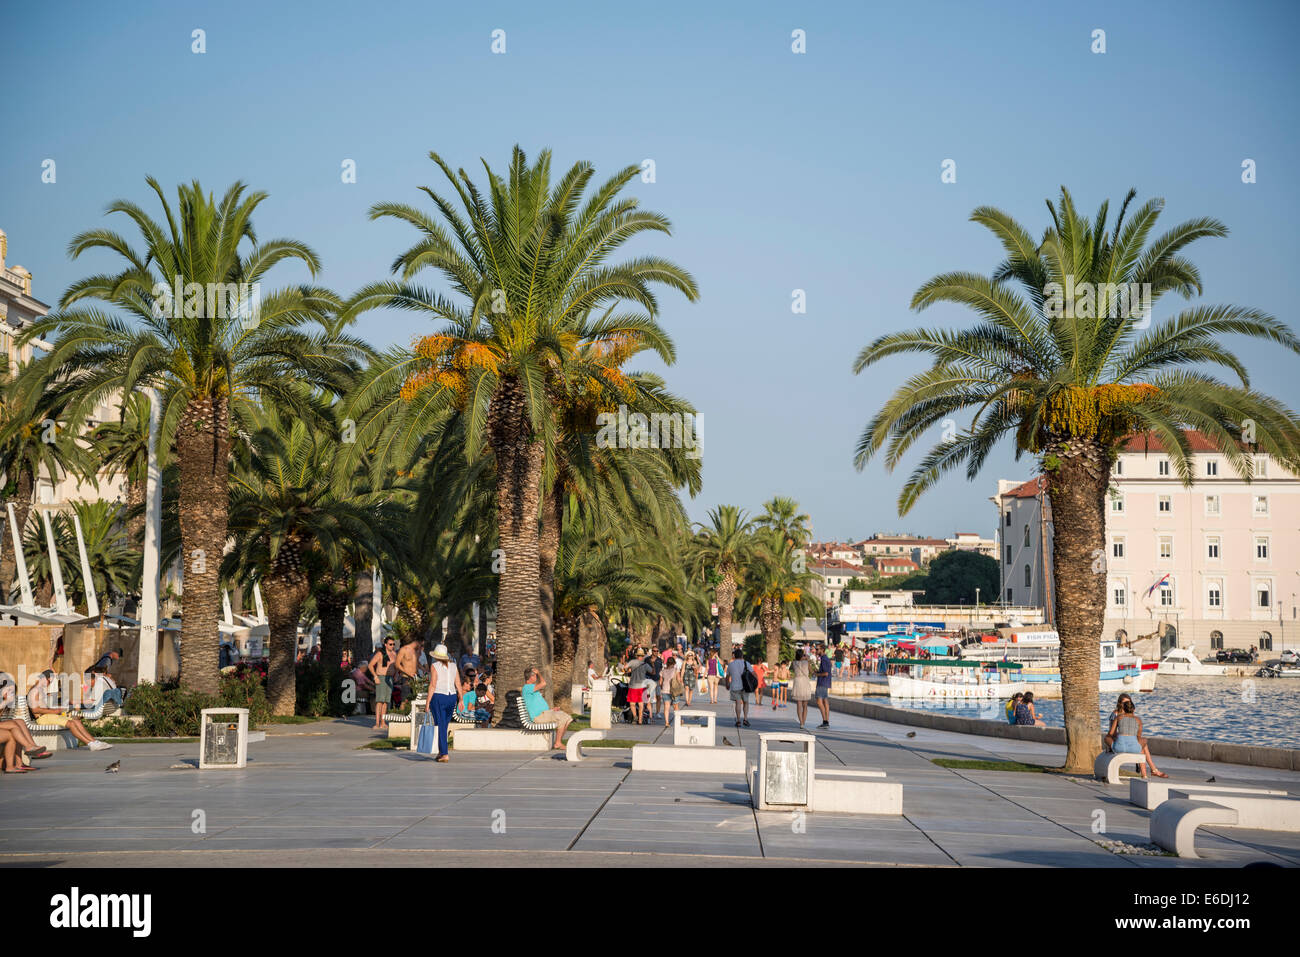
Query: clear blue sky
pixel 779 171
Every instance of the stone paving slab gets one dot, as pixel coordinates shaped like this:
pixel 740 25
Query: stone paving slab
pixel 312 797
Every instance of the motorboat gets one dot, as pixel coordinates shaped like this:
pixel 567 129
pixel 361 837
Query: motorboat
pixel 1181 662
pixel 1279 670
pixel 935 679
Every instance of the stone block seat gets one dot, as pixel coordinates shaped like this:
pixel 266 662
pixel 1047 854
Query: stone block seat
pixel 48 735
pixel 1174 823
pixel 1106 767
pixel 1151 794
pixel 573 746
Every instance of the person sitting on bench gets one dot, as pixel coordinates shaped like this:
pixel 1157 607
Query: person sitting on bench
pixel 38 705
pixel 538 711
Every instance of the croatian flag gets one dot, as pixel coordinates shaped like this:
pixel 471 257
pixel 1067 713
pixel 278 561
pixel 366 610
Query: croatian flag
pixel 1157 585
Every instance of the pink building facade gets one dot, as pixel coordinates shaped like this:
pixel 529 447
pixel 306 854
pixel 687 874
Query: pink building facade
pixel 1209 567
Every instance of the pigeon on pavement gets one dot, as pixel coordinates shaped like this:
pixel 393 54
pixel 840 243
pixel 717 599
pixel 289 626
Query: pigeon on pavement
pixel 1209 780
pixel 911 734
pixel 727 743
pixel 114 767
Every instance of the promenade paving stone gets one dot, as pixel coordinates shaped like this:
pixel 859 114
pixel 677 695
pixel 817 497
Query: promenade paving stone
pixel 310 797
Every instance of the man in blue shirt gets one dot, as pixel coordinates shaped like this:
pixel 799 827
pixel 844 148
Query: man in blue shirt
pixel 539 712
pixel 824 667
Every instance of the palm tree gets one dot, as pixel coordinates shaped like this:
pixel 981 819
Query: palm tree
pixel 524 260
pixel 114 567
pixel 719 553
pixel 1067 360
pixel 36 439
pixel 290 527
pixel 224 350
pixel 783 514
pixel 776 587
pixel 122 448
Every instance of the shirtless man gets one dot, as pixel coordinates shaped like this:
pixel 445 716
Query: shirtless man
pixel 408 663
pixel 381 668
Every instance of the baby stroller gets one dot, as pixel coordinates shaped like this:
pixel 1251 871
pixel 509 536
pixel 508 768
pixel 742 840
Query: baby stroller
pixel 620 712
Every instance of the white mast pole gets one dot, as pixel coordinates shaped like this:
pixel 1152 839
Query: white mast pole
pixel 147 669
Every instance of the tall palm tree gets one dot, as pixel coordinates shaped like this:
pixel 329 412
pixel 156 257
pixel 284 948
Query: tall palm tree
pixel 719 552
pixel 212 352
pixel 776 587
pixel 783 514
pixel 290 527
pixel 523 259
pixel 1067 361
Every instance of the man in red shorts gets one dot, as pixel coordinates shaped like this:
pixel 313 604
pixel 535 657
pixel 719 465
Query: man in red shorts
pixel 636 679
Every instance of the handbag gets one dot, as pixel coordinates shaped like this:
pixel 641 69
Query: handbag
pixel 426 740
pixel 677 687
pixel 748 680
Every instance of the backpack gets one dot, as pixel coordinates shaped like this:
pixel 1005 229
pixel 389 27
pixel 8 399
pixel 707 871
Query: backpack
pixel 749 680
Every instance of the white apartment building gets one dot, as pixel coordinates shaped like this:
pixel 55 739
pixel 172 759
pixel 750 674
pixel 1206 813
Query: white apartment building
pixel 973 542
pixel 1213 566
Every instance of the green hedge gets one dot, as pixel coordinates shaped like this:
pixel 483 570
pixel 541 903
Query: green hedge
pixel 170 711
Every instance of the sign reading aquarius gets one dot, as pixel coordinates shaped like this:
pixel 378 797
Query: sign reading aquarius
pixel 659 430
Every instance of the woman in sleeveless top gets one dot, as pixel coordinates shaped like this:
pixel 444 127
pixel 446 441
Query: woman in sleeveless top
pixel 1125 709
pixel 1025 713
pixel 802 689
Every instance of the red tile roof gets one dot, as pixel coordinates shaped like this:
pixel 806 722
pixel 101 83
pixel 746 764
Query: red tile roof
pixel 1028 489
pixel 1150 442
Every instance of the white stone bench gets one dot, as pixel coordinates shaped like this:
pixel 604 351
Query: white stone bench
pixel 573 747
pixel 695 729
pixel 1174 823
pixel 1151 794
pixel 466 738
pixel 697 759
pixel 1260 812
pixel 1106 768
pixel 844 792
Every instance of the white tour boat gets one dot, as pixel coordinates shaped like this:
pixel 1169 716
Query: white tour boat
pixel 934 679
pixel 1181 662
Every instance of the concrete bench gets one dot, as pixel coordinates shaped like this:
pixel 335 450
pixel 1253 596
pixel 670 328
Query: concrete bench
pixel 697 759
pixel 1174 823
pixel 1257 811
pixel 1151 794
pixel 846 792
pixel 1106 768
pixel 467 738
pixel 573 747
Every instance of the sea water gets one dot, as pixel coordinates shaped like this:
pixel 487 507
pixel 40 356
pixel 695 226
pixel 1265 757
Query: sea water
pixel 1263 711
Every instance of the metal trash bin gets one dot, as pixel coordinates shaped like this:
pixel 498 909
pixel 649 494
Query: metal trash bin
pixel 787 769
pixel 223 738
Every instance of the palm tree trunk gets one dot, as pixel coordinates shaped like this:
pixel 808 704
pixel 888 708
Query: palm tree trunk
pixel 548 548
pixel 770 620
pixel 518 475
pixel 286 592
pixel 726 596
pixel 592 641
pixel 455 640
pixel 332 604
pixel 566 653
pixel 1078 497
pixel 363 603
pixel 203 457
pixel 23 493
pixel 135 525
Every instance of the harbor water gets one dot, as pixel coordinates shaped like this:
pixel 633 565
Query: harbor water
pixel 1260 711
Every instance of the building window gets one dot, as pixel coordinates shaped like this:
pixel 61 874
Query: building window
pixel 1117 548
pixel 1261 504
pixel 1008 554
pixel 1166 503
pixel 1216 641
pixel 1026 535
pixel 1119 466
pixel 1166 547
pixel 1008 519
pixel 1212 468
pixel 1261 549
pixel 1028 577
pixel 1265 641
pixel 1211 505
pixel 1264 594
pixel 1167 595
pixel 1162 467
pixel 1261 466
pixel 1119 596
pixel 1212 548
pixel 1009 598
pixel 1117 503
pixel 1214 595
